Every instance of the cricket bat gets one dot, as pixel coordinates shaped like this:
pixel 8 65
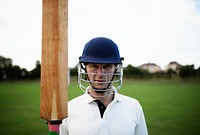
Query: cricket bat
pixel 54 67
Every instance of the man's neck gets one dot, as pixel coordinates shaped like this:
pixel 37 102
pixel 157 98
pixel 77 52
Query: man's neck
pixel 106 97
pixel 106 100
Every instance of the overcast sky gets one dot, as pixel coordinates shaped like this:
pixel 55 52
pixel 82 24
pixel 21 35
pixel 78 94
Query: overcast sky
pixel 155 31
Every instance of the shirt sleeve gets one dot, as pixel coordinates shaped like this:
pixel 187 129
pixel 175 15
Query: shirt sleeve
pixel 141 128
pixel 63 127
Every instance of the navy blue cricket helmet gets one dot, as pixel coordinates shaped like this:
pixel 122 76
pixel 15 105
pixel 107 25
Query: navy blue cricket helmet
pixel 101 50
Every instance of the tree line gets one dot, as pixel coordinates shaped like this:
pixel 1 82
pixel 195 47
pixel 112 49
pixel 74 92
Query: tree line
pixel 130 71
pixel 184 72
pixel 8 71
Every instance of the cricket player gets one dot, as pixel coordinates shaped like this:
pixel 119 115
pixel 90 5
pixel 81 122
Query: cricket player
pixel 101 110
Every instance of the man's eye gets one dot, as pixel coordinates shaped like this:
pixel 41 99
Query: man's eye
pixel 96 66
pixel 93 66
pixel 106 66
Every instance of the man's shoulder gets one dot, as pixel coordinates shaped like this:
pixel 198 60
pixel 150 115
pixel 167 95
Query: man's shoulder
pixel 128 99
pixel 77 99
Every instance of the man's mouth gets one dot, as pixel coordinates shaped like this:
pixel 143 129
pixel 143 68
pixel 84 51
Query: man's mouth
pixel 100 81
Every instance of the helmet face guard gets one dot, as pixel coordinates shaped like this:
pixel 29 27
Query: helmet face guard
pixel 100 50
pixel 111 83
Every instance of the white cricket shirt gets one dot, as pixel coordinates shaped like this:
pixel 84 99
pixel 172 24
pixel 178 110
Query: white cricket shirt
pixel 123 116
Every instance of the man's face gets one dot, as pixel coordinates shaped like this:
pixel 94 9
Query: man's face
pixel 100 75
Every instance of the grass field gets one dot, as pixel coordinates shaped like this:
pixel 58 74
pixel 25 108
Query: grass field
pixel 171 107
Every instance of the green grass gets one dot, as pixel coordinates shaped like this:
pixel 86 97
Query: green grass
pixel 170 106
pixel 19 111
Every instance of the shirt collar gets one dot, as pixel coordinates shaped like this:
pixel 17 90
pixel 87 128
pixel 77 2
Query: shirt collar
pixel 90 99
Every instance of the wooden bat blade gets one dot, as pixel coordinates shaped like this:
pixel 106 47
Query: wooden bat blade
pixel 54 70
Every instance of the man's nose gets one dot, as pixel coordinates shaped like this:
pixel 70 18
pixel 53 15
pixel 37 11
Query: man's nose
pixel 100 70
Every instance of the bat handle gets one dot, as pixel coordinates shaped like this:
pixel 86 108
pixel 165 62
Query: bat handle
pixel 54 125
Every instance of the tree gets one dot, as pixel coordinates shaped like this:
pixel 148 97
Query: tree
pixel 197 72
pixel 187 71
pixel 35 73
pixel 133 72
pixel 5 68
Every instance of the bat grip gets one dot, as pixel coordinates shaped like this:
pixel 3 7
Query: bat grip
pixel 54 125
